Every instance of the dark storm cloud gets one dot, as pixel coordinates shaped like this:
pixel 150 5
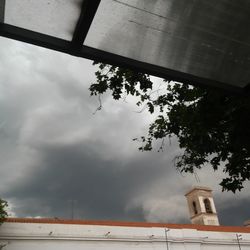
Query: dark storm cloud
pixel 54 150
pixel 235 214
pixel 101 188
pixel 60 151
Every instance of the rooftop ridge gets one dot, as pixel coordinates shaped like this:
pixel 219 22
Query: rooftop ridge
pixel 240 229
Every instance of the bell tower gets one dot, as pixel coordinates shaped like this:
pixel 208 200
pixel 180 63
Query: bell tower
pixel 201 206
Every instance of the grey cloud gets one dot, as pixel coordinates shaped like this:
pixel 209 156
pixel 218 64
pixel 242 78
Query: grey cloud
pixel 53 149
pixel 102 188
pixel 236 213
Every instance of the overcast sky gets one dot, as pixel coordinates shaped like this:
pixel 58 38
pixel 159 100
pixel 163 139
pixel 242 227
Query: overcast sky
pixel 55 152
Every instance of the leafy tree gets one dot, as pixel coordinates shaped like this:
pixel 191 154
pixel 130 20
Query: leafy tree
pixel 212 125
pixel 3 213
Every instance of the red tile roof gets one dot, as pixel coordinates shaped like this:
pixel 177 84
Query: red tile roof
pixel 237 229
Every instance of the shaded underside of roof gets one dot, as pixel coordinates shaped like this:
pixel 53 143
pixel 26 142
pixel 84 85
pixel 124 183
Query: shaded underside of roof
pixel 195 42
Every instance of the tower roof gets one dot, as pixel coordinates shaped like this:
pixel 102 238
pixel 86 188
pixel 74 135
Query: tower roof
pixel 197 188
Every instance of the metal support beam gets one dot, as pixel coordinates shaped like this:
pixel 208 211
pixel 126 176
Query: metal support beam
pixel 34 38
pixel 88 11
pixel 64 46
pixel 110 58
pixel 2 10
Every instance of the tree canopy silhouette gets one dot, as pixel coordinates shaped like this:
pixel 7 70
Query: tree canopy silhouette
pixel 212 125
pixel 3 213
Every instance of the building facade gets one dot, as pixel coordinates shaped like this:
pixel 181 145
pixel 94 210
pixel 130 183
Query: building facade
pixel 54 234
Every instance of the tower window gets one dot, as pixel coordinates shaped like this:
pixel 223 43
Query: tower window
pixel 208 206
pixel 194 207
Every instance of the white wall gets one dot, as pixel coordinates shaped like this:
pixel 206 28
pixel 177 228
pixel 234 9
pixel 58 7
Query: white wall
pixel 40 236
